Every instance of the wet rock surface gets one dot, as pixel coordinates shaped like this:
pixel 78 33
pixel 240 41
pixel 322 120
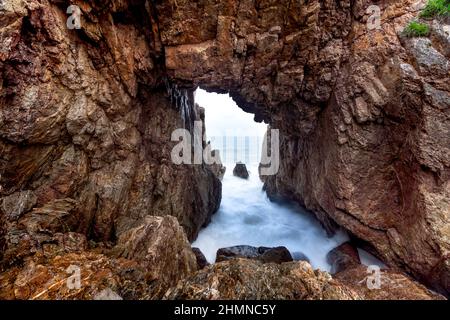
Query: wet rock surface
pixel 160 246
pixel 86 118
pixel 218 168
pixel 263 254
pixel 240 171
pixel 343 257
pixel 239 279
pixel 200 257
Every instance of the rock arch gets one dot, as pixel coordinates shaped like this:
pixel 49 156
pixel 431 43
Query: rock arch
pixel 86 115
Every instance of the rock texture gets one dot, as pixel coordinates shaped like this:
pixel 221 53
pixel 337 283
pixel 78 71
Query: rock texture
pixel 363 113
pixel 161 248
pixel 146 261
pixel 87 115
pixel 343 257
pixel 393 285
pixel 86 118
pixel 240 171
pixel 240 279
pixel 218 168
pixel 200 258
pixel 263 254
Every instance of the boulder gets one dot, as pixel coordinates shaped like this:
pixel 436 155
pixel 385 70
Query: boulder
pixel 201 259
pixel 248 252
pixel 244 279
pixel 343 257
pixel 161 247
pixel 276 255
pixel 240 170
pixel 263 254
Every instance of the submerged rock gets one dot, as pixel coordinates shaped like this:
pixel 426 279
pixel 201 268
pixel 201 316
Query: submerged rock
pixel 365 136
pixel 343 257
pixel 249 252
pixel 240 171
pixel 264 254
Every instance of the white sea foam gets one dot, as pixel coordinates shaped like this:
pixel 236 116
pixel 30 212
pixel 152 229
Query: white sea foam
pixel 248 217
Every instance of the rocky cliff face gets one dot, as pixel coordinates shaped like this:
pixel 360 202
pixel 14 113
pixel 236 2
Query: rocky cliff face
pixel 86 117
pixel 363 114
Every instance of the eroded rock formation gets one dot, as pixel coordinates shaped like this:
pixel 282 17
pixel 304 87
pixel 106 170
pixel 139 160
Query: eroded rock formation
pixel 86 117
pixel 240 279
pixel 363 114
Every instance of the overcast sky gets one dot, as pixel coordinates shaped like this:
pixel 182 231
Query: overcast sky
pixel 225 118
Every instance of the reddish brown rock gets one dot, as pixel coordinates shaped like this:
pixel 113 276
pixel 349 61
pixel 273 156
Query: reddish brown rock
pixel 240 171
pixel 264 254
pixel 160 246
pixel 363 115
pixel 343 257
pixel 240 279
pixel 392 286
pixel 200 257
pixel 57 278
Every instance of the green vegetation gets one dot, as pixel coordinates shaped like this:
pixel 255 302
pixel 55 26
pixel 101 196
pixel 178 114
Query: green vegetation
pixel 436 8
pixel 416 29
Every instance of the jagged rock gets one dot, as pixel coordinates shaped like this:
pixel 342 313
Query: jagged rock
pixel 343 257
pixel 364 132
pixel 85 130
pixel 393 285
pixel 57 278
pixel 343 130
pixel 218 168
pixel 48 227
pixel 15 205
pixel 200 257
pixel 264 254
pixel 276 255
pixel 240 170
pixel 240 279
pixel 161 247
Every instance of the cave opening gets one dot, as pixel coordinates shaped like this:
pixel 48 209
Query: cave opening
pixel 247 217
